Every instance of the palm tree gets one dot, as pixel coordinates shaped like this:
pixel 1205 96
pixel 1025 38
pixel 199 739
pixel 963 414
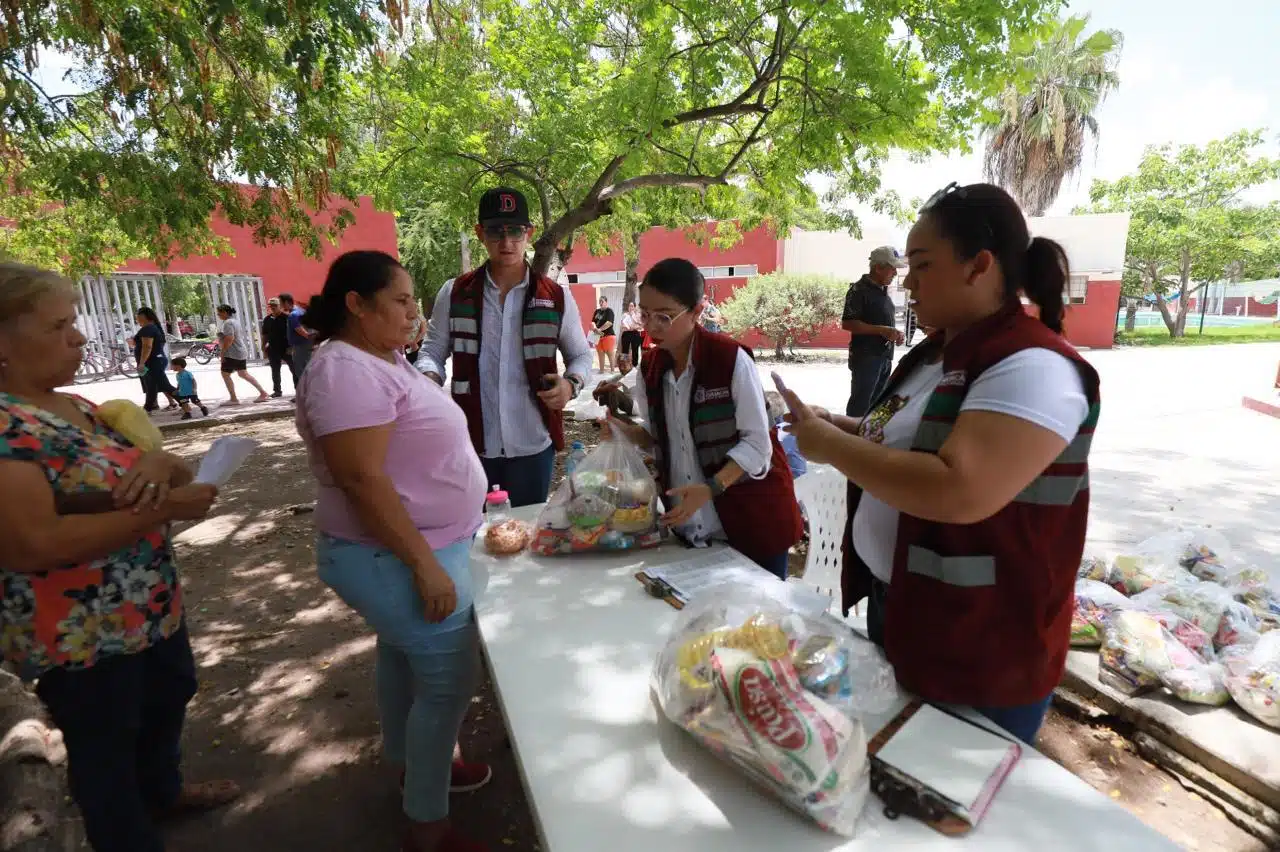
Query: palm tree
pixel 1039 137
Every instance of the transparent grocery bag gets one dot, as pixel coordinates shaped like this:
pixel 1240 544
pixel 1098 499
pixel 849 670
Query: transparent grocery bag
pixel 780 696
pixel 1253 678
pixel 1141 647
pixel 1095 602
pixel 608 502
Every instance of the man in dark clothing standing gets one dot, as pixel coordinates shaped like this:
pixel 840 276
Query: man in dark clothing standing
pixel 275 342
pixel 868 317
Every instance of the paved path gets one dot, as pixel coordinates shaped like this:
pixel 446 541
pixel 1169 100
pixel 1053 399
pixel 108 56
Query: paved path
pixel 1174 443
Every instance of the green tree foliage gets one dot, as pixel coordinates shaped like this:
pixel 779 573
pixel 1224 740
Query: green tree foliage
pixel 431 248
pixel 185 296
pixel 787 309
pixel 168 105
pixel 725 104
pixel 1046 116
pixel 1190 225
pixel 73 237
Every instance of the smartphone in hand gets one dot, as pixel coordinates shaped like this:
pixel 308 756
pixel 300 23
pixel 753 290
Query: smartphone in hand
pixel 782 389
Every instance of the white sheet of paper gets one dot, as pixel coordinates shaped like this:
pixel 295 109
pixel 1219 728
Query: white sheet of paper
pixel 951 756
pixel 714 566
pixel 224 458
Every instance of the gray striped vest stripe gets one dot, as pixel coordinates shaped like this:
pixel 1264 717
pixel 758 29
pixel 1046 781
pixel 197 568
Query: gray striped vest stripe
pixel 967 571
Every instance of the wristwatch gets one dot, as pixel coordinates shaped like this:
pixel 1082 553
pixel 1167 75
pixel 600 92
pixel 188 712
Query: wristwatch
pixel 716 488
pixel 576 382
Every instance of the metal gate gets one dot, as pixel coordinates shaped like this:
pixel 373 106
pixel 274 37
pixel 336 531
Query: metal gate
pixel 244 293
pixel 108 309
pixel 107 315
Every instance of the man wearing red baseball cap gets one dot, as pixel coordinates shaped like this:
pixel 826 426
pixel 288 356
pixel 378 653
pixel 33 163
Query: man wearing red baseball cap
pixel 504 325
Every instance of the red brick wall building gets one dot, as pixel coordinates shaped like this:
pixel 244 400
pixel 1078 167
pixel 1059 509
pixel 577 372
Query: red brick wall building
pixel 282 266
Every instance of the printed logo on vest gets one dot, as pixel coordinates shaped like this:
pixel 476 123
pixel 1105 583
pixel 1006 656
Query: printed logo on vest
pixel 506 203
pixel 543 303
pixel 953 379
pixel 701 394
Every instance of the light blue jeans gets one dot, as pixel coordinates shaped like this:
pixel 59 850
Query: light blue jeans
pixel 426 673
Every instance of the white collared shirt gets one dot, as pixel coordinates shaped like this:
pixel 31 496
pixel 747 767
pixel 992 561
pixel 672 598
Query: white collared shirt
pixel 753 452
pixel 513 425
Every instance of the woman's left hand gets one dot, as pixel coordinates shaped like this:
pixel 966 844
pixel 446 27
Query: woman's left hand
pixel 691 498
pixel 815 434
pixel 146 484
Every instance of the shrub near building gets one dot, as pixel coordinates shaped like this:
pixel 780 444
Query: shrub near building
pixel 788 309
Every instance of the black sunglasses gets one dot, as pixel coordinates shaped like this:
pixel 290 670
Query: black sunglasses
pixel 497 232
pixel 937 197
pixel 962 193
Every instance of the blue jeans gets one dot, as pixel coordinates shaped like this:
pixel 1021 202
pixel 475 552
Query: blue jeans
pixel 426 673
pixel 299 356
pixel 1022 720
pixel 526 479
pixel 870 373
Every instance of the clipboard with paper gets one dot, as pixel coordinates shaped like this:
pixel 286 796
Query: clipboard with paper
pixel 937 766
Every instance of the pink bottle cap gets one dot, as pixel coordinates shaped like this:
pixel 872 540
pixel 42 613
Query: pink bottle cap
pixel 495 496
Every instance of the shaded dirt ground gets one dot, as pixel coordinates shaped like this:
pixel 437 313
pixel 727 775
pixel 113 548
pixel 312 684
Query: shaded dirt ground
pixel 286 704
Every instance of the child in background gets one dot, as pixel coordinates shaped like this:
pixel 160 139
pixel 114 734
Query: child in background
pixel 776 406
pixel 186 388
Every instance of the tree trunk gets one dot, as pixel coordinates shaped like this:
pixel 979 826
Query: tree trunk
pixel 466 251
pixel 777 348
pixel 549 258
pixel 632 278
pixel 1131 315
pixel 34 813
pixel 1169 321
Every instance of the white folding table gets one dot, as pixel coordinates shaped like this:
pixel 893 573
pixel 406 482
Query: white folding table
pixel 571 642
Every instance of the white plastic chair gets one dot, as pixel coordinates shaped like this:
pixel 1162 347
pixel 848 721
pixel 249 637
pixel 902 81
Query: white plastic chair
pixel 823 492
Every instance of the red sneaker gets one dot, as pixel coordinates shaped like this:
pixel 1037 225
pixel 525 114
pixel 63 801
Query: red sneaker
pixel 469 777
pixel 464 777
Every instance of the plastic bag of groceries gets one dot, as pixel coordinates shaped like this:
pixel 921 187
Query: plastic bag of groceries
pixel 1253 678
pixel 1176 556
pixel 1095 602
pixel 1202 684
pixel 1252 587
pixel 780 696
pixel 1203 552
pixel 1200 603
pixel 1094 566
pixel 1134 572
pixel 1239 626
pixel 1140 646
pixel 608 502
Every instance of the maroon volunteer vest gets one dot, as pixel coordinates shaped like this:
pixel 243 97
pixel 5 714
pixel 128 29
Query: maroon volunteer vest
pixel 980 614
pixel 760 516
pixel 542 314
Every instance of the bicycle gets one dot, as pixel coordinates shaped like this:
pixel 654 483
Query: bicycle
pixel 98 362
pixel 203 353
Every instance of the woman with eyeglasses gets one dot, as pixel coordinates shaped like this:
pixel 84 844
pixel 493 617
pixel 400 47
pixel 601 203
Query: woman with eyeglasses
pixel 718 459
pixel 969 477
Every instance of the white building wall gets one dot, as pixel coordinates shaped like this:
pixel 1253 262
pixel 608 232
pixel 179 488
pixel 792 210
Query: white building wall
pixel 1095 242
pixel 834 253
pixel 1095 245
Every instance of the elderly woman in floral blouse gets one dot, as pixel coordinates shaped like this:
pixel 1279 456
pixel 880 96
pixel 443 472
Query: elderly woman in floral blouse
pixel 90 604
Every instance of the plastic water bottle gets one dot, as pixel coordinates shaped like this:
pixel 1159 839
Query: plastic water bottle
pixel 577 452
pixel 497 505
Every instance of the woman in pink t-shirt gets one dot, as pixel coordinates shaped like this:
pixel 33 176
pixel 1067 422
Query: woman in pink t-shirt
pixel 400 497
